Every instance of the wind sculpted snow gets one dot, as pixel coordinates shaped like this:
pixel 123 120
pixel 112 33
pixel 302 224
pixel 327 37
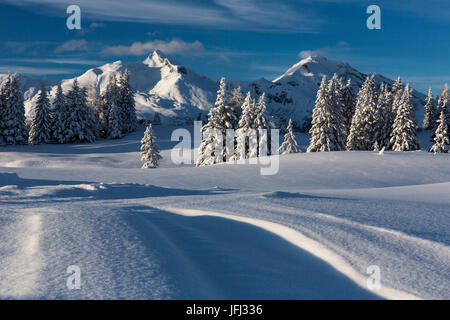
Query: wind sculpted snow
pixel 129 231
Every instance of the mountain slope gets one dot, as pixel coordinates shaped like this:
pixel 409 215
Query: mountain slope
pixel 181 95
pixel 293 94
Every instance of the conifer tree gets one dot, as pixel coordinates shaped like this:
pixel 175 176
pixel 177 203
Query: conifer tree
pixel 444 101
pixel 236 100
pixel 337 119
pixel 348 103
pixel 362 135
pixel 404 133
pixel 13 129
pixel 95 102
pixel 430 112
pixel 220 118
pixel 60 115
pixel 383 119
pixel 150 153
pixel 246 137
pixel 40 130
pixel 112 111
pixel 289 144
pixel 441 135
pixel 125 101
pixel 320 132
pixel 81 121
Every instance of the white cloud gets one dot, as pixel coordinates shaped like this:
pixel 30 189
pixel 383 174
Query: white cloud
pixel 174 46
pixel 306 53
pixel 72 45
pixel 34 70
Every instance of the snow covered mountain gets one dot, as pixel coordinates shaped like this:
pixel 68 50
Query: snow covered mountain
pixel 293 94
pixel 181 95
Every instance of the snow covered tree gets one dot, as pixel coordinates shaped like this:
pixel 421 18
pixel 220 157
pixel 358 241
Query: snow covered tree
pixel 13 129
pixel 404 132
pixel 60 115
pixel 289 144
pixel 40 130
pixel 441 135
pixel 328 130
pixel 383 119
pixel 95 102
pixel 220 118
pixel 150 153
pixel 397 93
pixel 430 112
pixel 111 110
pixel 235 102
pixel 337 119
pixel 263 125
pixel 246 137
pixel 125 101
pixel 444 101
pixel 348 105
pixel 81 121
pixel 362 135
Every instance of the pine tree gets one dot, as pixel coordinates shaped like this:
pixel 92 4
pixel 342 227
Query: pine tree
pixel 13 129
pixel 60 118
pixel 444 102
pixel 150 153
pixel 383 119
pixel 441 135
pixel 111 110
pixel 246 138
pixel 81 121
pixel 337 119
pixel 126 103
pixel 348 103
pixel 95 102
pixel 235 102
pixel 220 118
pixel 430 112
pixel 263 125
pixel 362 134
pixel 404 133
pixel 328 128
pixel 289 144
pixel 40 131
pixel 320 135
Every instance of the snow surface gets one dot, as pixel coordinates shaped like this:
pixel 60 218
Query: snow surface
pixel 222 231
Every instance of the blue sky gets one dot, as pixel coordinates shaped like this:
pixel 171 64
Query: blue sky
pixel 238 39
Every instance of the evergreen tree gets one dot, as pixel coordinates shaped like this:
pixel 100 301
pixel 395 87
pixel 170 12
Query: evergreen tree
pixel 112 111
pixel 397 93
pixel 246 137
pixel 430 112
pixel 13 129
pixel 289 144
pixel 150 153
pixel 337 119
pixel 95 102
pixel 81 121
pixel 125 101
pixel 235 102
pixel 444 102
pixel 404 134
pixel 383 119
pixel 220 118
pixel 441 135
pixel 263 125
pixel 40 131
pixel 362 136
pixel 60 118
pixel 320 134
pixel 348 103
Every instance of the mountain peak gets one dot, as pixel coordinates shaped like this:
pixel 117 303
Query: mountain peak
pixel 155 59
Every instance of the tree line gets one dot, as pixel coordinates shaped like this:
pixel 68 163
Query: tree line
pixel 80 115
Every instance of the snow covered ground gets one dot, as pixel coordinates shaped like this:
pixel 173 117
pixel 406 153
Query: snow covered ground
pixel 224 231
